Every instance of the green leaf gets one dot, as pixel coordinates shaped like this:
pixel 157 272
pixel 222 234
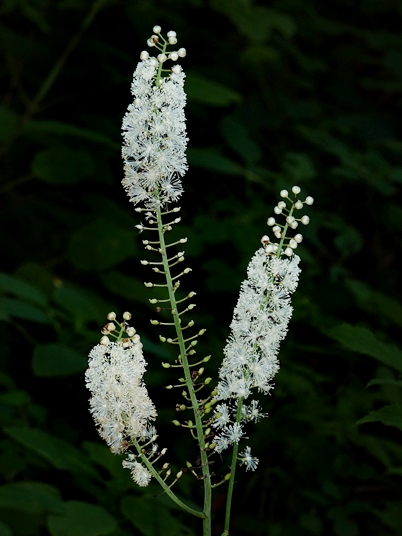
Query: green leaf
pixel 33 497
pixel 125 285
pixel 375 302
pixel 5 530
pixel 8 124
pixel 56 451
pixel 50 360
pixel 22 289
pixel 362 340
pixel 211 160
pixel 20 309
pixel 239 140
pixel 17 397
pixel 82 519
pixel 38 128
pixel 100 245
pixel 152 518
pixel 81 308
pixel 390 415
pixel 62 166
pixel 385 381
pixel 200 89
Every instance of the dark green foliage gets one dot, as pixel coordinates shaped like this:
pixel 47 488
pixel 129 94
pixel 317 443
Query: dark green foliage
pixel 290 92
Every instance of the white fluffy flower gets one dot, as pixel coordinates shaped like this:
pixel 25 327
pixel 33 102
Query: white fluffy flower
pixel 154 133
pixel 139 473
pixel 119 404
pixel 260 323
pixel 249 461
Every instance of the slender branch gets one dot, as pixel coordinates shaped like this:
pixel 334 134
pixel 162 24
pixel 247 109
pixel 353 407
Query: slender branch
pixel 232 475
pixel 165 487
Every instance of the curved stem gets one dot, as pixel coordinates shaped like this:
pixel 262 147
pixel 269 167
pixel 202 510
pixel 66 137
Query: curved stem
pixel 164 486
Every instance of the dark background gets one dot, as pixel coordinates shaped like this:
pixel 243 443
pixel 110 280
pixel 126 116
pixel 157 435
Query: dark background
pixel 279 93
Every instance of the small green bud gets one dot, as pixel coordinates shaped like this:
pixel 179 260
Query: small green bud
pixel 200 371
pixel 166 365
pixel 227 477
pixel 154 322
pixel 202 331
pixel 207 410
pixel 194 343
pixel 207 431
pixel 192 352
pixel 182 407
pixel 162 339
pixel 190 423
pixel 153 301
pixel 179 474
pixel 207 381
pixel 206 359
pixel 212 446
pixel 176 423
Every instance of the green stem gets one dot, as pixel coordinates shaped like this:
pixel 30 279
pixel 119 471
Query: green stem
pixel 232 475
pixel 189 382
pixel 165 487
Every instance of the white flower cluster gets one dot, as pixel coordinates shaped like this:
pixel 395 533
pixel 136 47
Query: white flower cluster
pixel 259 324
pixel 120 404
pixel 154 133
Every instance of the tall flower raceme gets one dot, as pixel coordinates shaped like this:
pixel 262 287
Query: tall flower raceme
pixel 154 158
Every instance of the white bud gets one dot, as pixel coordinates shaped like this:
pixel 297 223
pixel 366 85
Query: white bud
pixel 271 221
pixel 309 200
pixel 111 326
pixel 183 240
pixel 172 41
pixel 174 56
pixel 269 248
pixel 284 193
pixel 162 58
pixel 277 210
pixel 144 55
pixel 290 219
pixel 296 190
pixel 111 316
pixel 176 69
pixel 298 205
pixel 171 33
pixel 104 340
pixel 182 52
pixel 144 262
pixel 288 252
pixel 136 338
pixel 281 204
pixel 278 234
pixel 276 228
pixel 293 243
pixel 305 220
pixel 265 239
pixel 127 316
pixel 130 332
pixel 150 42
pixel 298 238
pixel 293 225
pixel 157 29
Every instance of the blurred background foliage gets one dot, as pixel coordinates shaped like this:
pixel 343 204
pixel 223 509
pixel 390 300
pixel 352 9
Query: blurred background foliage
pixel 279 93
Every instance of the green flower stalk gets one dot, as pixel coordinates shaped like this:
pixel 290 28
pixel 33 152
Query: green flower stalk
pixel 155 140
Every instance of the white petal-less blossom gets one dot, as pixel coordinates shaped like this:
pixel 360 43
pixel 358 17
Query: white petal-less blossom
pixel 120 404
pixel 260 323
pixel 154 133
pixel 249 461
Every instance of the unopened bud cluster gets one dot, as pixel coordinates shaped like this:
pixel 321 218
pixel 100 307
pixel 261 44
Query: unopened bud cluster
pixel 160 43
pixel 286 245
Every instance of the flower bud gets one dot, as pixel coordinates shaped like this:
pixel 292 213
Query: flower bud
pixel 309 200
pixel 111 316
pixel 144 55
pixel 305 220
pixel 182 52
pixel 127 316
pixel 157 29
pixel 296 190
pixel 284 193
